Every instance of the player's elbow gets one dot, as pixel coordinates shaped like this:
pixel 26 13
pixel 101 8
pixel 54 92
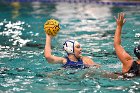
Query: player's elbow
pixel 48 58
pixel 47 55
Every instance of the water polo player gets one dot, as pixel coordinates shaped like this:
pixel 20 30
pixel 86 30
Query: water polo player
pixel 73 49
pixel 130 66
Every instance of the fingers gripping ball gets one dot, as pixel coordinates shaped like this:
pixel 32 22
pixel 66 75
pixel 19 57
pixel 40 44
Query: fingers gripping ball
pixel 52 27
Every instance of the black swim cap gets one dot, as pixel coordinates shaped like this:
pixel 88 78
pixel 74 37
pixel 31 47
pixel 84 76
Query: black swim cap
pixel 137 51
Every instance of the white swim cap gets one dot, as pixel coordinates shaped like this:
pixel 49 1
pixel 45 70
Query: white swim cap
pixel 69 46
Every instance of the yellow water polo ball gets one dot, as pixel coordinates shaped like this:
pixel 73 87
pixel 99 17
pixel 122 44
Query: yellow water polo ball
pixel 52 27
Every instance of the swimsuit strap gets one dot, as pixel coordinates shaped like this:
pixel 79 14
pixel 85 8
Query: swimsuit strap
pixel 134 68
pixel 133 71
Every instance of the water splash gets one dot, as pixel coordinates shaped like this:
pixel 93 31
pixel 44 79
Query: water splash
pixel 13 30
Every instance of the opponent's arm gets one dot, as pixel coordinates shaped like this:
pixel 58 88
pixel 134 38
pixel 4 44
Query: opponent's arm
pixel 124 57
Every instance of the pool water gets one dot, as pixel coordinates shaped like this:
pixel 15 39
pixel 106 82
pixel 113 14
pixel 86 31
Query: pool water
pixel 23 68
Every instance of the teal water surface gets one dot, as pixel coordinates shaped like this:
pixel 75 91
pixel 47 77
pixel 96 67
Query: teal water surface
pixel 23 68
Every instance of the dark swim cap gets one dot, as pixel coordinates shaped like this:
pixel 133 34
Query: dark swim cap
pixel 137 51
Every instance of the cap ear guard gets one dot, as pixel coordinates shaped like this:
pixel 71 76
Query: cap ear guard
pixel 68 46
pixel 68 50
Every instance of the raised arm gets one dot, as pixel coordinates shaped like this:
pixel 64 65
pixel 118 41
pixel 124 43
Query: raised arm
pixel 47 52
pixel 124 57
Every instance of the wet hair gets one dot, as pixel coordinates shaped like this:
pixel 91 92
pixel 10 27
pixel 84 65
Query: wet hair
pixel 137 51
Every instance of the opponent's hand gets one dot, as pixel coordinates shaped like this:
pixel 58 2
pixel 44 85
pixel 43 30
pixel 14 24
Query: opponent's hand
pixel 120 20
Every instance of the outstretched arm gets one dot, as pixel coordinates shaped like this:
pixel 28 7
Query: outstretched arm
pixel 47 52
pixel 124 57
pixel 89 62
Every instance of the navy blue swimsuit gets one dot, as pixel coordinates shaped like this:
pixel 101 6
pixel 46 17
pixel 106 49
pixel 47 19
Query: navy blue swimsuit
pixel 72 64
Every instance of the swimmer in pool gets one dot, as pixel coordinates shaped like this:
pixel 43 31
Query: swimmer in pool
pixel 130 66
pixel 74 57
